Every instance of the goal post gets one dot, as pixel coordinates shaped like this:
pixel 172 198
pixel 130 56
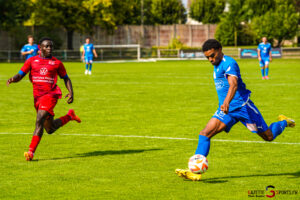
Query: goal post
pixel 118 52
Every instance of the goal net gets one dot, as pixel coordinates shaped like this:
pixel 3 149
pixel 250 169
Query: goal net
pixel 118 52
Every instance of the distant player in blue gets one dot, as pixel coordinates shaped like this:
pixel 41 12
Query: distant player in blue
pixel 30 49
pixel 264 57
pixel 234 105
pixel 87 55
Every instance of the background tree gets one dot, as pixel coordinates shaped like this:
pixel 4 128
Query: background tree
pixel 280 24
pixel 100 13
pixel 14 13
pixel 129 12
pixel 254 8
pixel 207 11
pixel 231 21
pixel 235 26
pixel 168 12
pixel 71 15
pixel 76 15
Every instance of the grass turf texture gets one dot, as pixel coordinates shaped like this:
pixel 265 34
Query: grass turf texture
pixel 165 99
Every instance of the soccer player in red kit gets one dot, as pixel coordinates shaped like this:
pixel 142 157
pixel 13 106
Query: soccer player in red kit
pixel 44 69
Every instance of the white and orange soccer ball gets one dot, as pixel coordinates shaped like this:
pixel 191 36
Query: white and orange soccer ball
pixel 198 164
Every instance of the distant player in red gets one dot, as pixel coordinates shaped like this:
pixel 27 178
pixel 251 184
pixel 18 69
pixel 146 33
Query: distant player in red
pixel 44 69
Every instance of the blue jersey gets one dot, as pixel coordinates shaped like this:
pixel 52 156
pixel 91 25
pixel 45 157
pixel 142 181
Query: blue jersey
pixel 264 49
pixel 88 50
pixel 228 66
pixel 28 47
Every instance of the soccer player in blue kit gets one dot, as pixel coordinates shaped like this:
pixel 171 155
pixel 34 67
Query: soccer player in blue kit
pixel 265 57
pixel 234 105
pixel 87 55
pixel 29 50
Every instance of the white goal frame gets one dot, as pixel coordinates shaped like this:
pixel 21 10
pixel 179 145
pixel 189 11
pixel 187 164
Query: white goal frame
pixel 137 46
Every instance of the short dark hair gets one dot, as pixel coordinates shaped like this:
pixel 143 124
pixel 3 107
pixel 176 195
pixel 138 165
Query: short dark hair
pixel 43 39
pixel 211 44
pixel 88 38
pixel 29 36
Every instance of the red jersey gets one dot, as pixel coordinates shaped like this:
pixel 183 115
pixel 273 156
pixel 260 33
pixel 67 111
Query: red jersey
pixel 43 75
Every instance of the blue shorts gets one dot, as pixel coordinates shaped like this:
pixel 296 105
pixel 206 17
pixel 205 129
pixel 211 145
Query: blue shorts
pixel 264 61
pixel 88 59
pixel 249 115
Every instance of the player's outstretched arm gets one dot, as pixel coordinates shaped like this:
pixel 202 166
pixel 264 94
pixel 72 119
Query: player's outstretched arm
pixel 83 52
pixel 14 79
pixel 258 55
pixel 27 52
pixel 95 53
pixel 69 86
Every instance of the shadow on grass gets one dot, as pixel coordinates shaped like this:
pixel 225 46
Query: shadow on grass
pixel 224 179
pixel 101 153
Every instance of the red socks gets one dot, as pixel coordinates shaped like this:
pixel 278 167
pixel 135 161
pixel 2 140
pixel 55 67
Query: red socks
pixel 36 139
pixel 34 143
pixel 65 119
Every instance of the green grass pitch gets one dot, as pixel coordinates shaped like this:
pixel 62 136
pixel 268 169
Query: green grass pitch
pixel 164 99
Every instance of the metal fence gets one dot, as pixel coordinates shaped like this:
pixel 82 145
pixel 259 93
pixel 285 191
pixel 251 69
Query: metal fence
pixel 131 54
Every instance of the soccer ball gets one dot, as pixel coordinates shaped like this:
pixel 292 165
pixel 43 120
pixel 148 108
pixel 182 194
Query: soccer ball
pixel 198 164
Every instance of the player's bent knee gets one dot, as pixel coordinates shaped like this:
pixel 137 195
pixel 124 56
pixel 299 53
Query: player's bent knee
pixel 204 133
pixel 269 138
pixel 50 130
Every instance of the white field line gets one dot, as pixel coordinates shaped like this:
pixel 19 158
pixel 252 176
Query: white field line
pixel 161 138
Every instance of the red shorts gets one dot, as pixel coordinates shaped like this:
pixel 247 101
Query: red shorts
pixel 46 102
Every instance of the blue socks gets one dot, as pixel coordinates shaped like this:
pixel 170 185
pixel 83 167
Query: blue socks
pixel 204 142
pixel 203 145
pixel 267 71
pixel 277 128
pixel 91 67
pixel 86 66
pixel 263 72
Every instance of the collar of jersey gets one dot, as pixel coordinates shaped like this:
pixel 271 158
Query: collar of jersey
pixel 45 58
pixel 223 60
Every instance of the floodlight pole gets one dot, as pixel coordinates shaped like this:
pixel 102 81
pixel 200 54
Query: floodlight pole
pixel 142 12
pixel 142 23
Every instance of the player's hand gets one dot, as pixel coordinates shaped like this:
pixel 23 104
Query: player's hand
pixel 225 108
pixel 270 59
pixel 96 56
pixel 70 98
pixel 259 58
pixel 9 81
pixel 31 51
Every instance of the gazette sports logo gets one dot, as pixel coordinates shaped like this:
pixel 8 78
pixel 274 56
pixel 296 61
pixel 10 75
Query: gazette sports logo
pixel 43 71
pixel 270 192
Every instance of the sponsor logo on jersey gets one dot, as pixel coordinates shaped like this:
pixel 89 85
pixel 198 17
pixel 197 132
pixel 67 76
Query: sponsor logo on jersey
pixel 219 84
pixel 43 71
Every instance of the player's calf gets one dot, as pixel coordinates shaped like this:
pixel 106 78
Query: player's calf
pixel 51 125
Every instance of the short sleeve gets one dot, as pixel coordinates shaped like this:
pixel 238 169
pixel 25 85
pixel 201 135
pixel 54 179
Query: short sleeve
pixel 258 47
pixel 92 47
pixel 26 67
pixel 62 71
pixel 232 70
pixel 23 49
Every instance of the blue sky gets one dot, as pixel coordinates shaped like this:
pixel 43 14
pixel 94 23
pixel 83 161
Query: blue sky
pixel 184 2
